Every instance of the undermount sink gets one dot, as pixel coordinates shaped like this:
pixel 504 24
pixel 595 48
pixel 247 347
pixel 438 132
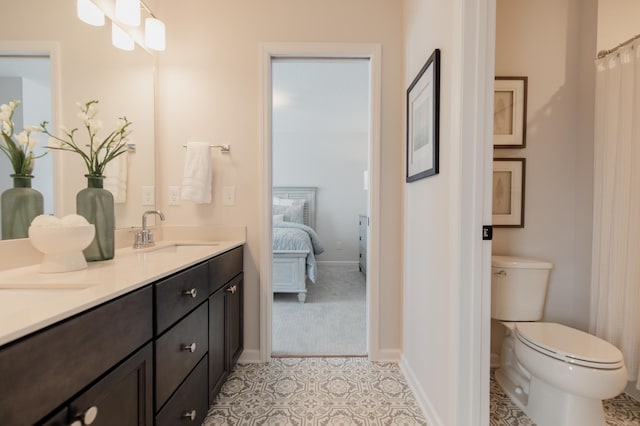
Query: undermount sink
pixel 180 248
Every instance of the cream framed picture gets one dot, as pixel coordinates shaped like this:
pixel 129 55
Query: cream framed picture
pixel 510 112
pixel 508 192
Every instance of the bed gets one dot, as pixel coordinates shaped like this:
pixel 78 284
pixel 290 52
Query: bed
pixel 295 242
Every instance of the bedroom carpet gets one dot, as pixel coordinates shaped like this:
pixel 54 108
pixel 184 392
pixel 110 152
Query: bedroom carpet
pixel 332 322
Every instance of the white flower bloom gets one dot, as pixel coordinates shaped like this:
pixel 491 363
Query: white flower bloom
pixel 23 138
pixel 32 129
pixel 6 127
pixel 32 142
pixel 92 110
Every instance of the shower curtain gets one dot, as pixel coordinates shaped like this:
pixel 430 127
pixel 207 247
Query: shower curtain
pixel 615 278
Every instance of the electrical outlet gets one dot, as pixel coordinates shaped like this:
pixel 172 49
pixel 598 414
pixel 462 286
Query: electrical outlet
pixel 229 196
pixel 148 196
pixel 338 245
pixel 174 195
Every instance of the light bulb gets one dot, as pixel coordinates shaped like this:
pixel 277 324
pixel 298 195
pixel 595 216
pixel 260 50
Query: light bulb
pixel 154 34
pixel 89 13
pixel 120 39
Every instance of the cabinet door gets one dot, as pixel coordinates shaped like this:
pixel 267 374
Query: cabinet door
pixel 234 320
pixel 217 360
pixel 121 398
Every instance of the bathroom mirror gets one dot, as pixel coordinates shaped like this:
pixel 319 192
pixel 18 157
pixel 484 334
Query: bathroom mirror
pixel 84 66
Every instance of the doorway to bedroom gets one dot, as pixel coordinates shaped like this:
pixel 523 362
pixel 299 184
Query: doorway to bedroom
pixel 320 196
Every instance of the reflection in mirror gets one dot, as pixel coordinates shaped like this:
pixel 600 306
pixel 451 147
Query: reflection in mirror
pixel 83 66
pixel 28 79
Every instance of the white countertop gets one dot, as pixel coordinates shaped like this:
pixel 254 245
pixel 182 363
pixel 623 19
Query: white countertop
pixel 30 300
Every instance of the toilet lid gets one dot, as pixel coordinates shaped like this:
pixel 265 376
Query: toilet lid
pixel 569 345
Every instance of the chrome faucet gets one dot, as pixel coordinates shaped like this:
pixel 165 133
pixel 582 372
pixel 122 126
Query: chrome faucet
pixel 144 237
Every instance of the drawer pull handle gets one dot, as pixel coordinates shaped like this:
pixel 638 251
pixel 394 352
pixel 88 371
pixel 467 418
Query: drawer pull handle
pixel 501 273
pixel 87 418
pixel 191 415
pixel 193 292
pixel 232 289
pixel 191 348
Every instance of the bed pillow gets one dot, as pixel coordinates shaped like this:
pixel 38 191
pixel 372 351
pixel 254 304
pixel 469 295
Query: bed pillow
pixel 287 201
pixel 293 213
pixel 278 218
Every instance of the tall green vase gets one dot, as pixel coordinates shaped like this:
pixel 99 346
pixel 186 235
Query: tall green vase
pixel 96 205
pixel 20 205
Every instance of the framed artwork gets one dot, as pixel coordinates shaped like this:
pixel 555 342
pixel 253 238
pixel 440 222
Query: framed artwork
pixel 510 112
pixel 423 120
pixel 508 192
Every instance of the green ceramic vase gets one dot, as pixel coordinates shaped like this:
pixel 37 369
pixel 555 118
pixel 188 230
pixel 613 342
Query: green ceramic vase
pixel 20 205
pixel 95 204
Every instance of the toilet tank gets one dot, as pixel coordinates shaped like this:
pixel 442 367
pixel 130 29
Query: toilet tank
pixel 518 288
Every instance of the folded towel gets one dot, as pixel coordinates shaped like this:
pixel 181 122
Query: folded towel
pixel 115 178
pixel 196 183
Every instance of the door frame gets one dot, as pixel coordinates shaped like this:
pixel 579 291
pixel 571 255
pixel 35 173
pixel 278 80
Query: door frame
pixel 268 52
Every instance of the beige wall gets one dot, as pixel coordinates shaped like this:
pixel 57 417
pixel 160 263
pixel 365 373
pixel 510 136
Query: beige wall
pixel 617 22
pixel 209 90
pixel 558 59
pixel 427 288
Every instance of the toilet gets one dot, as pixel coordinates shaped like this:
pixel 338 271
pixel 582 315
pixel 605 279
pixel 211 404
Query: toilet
pixel 557 375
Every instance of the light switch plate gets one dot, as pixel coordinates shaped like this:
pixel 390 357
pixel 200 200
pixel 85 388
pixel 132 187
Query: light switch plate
pixel 229 196
pixel 148 196
pixel 174 195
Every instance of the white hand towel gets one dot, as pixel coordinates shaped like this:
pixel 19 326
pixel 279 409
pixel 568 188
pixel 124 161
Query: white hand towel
pixel 196 183
pixel 115 178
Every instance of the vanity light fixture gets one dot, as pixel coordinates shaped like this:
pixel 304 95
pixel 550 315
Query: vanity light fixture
pixel 89 13
pixel 128 12
pixel 120 38
pixel 154 33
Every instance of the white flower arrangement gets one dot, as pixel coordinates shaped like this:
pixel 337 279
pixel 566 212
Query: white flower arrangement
pixel 100 151
pixel 19 148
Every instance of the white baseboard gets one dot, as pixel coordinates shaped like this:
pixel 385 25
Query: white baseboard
pixel 250 356
pixel 387 355
pixel 423 401
pixel 632 391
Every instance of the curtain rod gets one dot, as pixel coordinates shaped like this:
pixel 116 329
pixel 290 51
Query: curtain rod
pixel 603 53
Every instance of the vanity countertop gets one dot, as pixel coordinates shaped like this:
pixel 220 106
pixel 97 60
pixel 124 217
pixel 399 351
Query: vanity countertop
pixel 30 300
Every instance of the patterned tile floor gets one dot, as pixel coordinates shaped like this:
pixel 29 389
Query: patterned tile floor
pixel 316 391
pixel 350 391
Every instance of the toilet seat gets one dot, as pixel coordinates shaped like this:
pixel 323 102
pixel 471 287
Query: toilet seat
pixel 569 345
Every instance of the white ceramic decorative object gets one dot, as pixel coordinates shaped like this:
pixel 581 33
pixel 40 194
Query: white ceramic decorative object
pixel 61 241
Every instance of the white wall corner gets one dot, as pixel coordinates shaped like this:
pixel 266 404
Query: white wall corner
pixel 430 414
pixel 387 355
pixel 250 356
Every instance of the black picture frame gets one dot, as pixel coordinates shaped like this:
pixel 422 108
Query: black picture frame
pixel 510 112
pixel 508 192
pixel 423 121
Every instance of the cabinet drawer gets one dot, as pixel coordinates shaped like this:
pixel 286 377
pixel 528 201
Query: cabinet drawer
pixel 224 267
pixel 46 369
pixel 175 295
pixel 189 404
pixel 173 360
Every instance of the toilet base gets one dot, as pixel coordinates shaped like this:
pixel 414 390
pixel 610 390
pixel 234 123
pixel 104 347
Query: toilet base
pixel 549 406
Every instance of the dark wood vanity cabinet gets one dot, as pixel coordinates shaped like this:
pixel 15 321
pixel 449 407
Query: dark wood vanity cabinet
pixel 225 317
pixel 40 373
pixel 152 356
